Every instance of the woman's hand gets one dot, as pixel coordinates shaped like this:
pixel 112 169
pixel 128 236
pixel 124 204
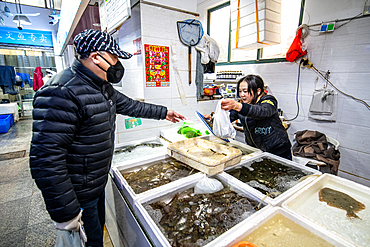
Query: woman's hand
pixel 209 117
pixel 228 104
pixel 174 117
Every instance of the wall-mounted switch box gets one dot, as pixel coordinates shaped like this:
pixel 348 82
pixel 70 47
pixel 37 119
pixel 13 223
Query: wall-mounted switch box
pixel 327 27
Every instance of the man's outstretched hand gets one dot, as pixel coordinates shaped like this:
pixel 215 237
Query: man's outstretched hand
pixel 174 117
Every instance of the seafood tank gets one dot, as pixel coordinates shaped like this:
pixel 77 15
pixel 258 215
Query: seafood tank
pixel 139 178
pixel 272 175
pixel 278 227
pixel 337 204
pixel 183 218
pixel 281 231
pixel 156 174
pixel 138 149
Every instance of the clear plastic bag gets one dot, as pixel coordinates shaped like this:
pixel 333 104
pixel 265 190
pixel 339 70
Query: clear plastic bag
pixel 222 126
pixel 207 186
pixel 68 239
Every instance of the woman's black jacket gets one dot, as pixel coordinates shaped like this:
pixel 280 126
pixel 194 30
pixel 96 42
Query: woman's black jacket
pixel 262 126
pixel 73 137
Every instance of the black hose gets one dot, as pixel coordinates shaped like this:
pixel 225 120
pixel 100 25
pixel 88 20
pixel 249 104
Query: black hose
pixel 299 73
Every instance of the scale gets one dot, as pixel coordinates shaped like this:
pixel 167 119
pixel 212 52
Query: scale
pixel 203 120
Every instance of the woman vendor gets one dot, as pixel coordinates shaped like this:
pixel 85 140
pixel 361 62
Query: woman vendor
pixel 259 116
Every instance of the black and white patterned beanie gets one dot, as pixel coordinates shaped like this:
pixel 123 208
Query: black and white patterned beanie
pixel 91 40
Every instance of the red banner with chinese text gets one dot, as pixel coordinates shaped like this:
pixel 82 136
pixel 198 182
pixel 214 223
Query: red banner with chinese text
pixel 157 66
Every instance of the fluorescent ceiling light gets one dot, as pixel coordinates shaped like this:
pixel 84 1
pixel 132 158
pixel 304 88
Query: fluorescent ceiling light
pixel 22 19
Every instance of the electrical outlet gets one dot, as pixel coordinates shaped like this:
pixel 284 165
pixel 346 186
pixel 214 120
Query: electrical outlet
pixel 327 27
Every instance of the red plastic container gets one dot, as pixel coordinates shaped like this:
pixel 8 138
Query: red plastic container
pixel 209 91
pixel 244 244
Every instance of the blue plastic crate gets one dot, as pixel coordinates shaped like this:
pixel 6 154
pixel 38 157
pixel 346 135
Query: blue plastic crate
pixel 11 120
pixel 6 121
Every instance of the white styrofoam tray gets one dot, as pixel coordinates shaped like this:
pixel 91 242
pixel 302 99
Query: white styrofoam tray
pixel 252 151
pixel 10 108
pixel 203 155
pixel 160 152
pixel 277 201
pixel 171 134
pixel 157 236
pixel 246 228
pixel 306 204
pixel 134 166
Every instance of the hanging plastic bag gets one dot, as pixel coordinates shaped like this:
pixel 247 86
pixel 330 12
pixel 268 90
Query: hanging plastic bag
pixel 69 239
pixel 222 126
pixel 207 186
pixel 295 50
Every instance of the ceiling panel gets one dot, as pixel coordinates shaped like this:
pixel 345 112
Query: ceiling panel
pixel 36 3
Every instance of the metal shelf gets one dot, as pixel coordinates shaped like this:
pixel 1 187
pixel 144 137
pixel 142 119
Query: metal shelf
pixel 220 81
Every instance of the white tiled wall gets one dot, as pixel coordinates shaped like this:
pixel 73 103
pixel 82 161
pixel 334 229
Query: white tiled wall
pixel 157 26
pixel 346 53
pixel 132 82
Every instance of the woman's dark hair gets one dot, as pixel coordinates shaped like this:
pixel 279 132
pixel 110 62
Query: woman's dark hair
pixel 254 82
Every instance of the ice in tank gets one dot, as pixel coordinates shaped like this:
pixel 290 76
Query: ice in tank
pixel 137 150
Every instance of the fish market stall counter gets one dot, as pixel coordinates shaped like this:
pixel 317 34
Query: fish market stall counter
pixel 142 174
pixel 151 199
pixel 175 215
pixel 142 171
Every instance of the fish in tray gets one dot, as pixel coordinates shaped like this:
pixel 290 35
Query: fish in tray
pixel 269 177
pixel 203 155
pixel 205 152
pixel 130 148
pixel 341 200
pixel 157 174
pixel 190 219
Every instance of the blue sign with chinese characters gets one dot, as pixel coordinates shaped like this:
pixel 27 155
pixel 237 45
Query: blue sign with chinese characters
pixel 25 37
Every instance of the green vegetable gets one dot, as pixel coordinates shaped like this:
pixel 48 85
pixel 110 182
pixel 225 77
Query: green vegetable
pixel 191 134
pixel 188 131
pixel 182 129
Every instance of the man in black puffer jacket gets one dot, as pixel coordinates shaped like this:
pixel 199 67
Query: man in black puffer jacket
pixel 73 133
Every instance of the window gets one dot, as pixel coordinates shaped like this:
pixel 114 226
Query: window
pixel 219 28
pixel 27 59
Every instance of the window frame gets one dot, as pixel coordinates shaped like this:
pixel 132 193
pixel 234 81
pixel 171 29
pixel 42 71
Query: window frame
pixel 258 59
